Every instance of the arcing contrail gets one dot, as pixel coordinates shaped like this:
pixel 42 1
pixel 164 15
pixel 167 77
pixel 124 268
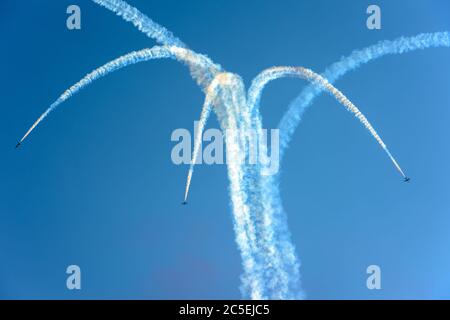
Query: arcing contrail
pixel 272 228
pixel 297 107
pixel 317 81
pixel 121 62
pixel 194 61
pixel 141 22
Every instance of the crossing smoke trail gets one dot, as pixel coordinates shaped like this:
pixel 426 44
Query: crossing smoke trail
pixel 280 278
pixel 142 22
pixel 272 225
pixel 402 45
pixel 318 82
pixel 254 96
pixel 203 74
pixel 230 103
pixel 153 30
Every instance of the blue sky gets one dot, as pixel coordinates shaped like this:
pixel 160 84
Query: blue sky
pixel 95 185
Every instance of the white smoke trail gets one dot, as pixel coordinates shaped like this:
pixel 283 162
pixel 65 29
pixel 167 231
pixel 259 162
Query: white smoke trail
pixel 194 61
pixel 272 226
pixel 318 82
pixel 297 107
pixel 203 69
pixel 116 64
pixel 142 22
pixel 264 276
pixel 210 95
pixel 234 117
pixel 206 110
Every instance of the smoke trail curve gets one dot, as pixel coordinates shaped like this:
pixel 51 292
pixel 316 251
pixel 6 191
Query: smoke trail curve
pixel 142 22
pixel 194 61
pixel 282 273
pixel 318 81
pixel 297 107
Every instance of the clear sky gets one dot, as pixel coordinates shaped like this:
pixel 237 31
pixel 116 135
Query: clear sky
pixel 95 185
